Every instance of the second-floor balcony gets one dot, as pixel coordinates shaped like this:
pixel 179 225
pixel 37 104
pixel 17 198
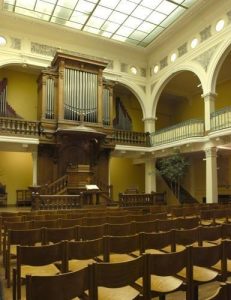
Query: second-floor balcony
pixel 187 129
pixel 221 119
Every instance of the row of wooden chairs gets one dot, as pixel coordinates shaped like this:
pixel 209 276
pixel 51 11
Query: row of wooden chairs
pixel 161 272
pixel 171 241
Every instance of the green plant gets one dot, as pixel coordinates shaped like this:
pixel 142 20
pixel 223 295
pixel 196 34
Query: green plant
pixel 173 168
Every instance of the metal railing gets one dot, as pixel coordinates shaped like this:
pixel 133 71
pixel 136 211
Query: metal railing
pixel 187 129
pixel 221 119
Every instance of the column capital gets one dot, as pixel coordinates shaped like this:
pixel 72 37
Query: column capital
pixel 209 96
pixel 211 152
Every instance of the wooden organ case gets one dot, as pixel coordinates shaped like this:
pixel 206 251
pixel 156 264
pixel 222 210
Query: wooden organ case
pixel 75 108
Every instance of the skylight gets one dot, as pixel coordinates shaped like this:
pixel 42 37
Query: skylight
pixel 137 22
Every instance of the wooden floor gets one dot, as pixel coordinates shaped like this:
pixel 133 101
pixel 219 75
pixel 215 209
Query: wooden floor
pixel 205 291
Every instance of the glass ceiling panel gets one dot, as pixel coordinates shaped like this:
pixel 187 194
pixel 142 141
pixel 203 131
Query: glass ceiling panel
pixel 136 22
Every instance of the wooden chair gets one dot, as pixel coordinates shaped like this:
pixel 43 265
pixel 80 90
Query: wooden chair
pixel 158 216
pixel 221 293
pixel 13 226
pixel 120 229
pixel 55 235
pixel 185 237
pixel 226 231
pixel 220 216
pixel 82 253
pixel 166 225
pixel 39 261
pixel 156 242
pixel 70 222
pixel 118 219
pixel 203 261
pixel 91 221
pixel 121 248
pixel 141 218
pixel 24 237
pixel 149 226
pixel 58 287
pixel 189 223
pixel 91 232
pixel 209 235
pixel 206 217
pixel 46 223
pixel 163 272
pixel 115 280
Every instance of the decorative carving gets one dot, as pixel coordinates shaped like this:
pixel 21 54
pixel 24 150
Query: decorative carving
pixel 110 64
pixel 205 33
pixel 204 58
pixel 43 49
pixel 15 43
pixel 182 49
pixel 163 63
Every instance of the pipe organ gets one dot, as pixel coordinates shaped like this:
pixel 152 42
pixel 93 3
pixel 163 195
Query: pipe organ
pixel 73 90
pixel 3 96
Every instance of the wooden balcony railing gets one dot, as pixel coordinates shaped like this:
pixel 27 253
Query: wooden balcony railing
pixel 11 126
pixel 221 119
pixel 183 130
pixel 134 200
pixel 50 202
pixel 129 137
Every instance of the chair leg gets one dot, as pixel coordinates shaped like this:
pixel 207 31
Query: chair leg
pixel 14 284
pixel 162 297
pixel 195 292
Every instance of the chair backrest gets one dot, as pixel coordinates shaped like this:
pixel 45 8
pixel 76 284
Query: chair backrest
pixel 91 221
pixel 56 235
pixel 156 240
pixel 141 218
pixel 209 233
pixel 70 222
pixel 166 225
pixel 119 219
pixel 121 244
pixel 46 223
pixel 60 287
pixel 115 275
pixel 27 237
pixel 188 223
pixel 185 237
pixel 91 232
pixel 159 216
pixel 226 231
pixel 42 255
pixel 85 249
pixel 120 229
pixel 145 226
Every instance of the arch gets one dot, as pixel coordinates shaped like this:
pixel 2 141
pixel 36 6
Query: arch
pixel 216 64
pixel 134 88
pixel 192 67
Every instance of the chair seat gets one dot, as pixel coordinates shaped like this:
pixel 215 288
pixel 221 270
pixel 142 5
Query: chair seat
pixel 154 251
pixel 163 284
pixel 48 270
pixel 117 257
pixel 206 222
pixel 200 274
pixel 217 266
pixel 221 221
pixel 122 293
pixel 211 243
pixel 75 264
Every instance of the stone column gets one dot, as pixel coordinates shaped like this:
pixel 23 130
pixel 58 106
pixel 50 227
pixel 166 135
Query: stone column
pixel 35 167
pixel 211 175
pixel 209 107
pixel 149 124
pixel 150 175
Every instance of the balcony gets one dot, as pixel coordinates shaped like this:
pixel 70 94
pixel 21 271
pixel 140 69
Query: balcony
pixel 187 129
pixel 221 119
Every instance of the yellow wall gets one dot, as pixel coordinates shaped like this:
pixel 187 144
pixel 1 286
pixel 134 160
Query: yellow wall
pixel 223 98
pixel 21 93
pixel 15 172
pixel 124 174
